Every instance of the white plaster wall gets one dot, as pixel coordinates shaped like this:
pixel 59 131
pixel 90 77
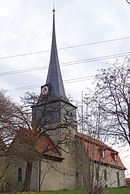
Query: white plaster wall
pixel 112 176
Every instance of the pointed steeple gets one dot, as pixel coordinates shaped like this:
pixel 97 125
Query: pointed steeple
pixel 53 106
pixel 54 77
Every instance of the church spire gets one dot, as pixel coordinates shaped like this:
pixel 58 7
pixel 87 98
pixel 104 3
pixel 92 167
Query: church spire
pixel 54 77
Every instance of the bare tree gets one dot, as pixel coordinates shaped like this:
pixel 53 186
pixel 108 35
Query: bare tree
pixel 89 145
pixel 44 126
pixel 97 121
pixel 4 173
pixel 24 136
pixel 8 129
pixel 4 177
pixel 7 120
pixel 107 113
pixel 89 171
pixel 106 116
pixel 112 94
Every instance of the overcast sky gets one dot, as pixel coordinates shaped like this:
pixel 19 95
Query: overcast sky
pixel 85 30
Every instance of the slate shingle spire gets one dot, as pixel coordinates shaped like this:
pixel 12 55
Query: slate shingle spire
pixel 54 77
pixel 53 105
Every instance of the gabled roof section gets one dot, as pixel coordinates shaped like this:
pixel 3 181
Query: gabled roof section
pixel 54 77
pixel 93 148
pixel 33 146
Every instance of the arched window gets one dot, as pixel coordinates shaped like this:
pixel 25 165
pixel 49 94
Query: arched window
pixel 19 174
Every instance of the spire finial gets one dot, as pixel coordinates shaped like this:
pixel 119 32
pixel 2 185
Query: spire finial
pixel 53 8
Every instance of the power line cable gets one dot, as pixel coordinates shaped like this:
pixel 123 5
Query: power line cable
pixel 68 47
pixel 67 63
pixel 98 42
pixel 67 81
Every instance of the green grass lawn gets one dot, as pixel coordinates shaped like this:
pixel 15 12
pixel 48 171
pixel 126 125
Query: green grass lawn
pixel 117 191
pixel 106 191
pixel 51 192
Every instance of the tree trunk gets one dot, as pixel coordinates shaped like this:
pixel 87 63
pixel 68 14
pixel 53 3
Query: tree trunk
pixel 129 119
pixel 28 174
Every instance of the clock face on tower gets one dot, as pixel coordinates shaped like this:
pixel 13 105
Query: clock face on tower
pixel 44 89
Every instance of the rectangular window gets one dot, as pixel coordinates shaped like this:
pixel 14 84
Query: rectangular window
pixel 19 174
pixel 105 175
pixel 118 179
pixel 97 174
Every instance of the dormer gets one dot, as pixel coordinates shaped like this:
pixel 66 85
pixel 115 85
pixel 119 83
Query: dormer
pixel 114 156
pixel 102 152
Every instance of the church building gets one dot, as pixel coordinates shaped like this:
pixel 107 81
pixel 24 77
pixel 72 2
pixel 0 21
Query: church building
pixel 64 167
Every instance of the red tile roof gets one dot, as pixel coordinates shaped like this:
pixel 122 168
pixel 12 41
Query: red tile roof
pixel 30 146
pixel 109 157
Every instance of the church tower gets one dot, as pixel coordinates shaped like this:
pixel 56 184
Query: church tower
pixel 53 106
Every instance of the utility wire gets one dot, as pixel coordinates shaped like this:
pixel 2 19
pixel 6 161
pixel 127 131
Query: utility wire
pixel 68 47
pixel 67 81
pixel 67 63
pixel 98 42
